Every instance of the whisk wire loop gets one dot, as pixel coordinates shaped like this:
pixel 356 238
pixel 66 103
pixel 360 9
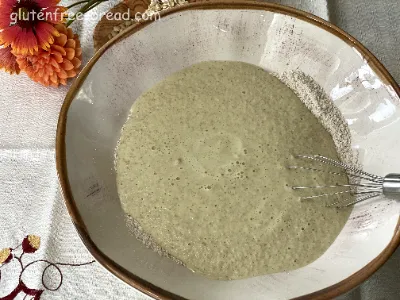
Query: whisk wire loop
pixel 367 186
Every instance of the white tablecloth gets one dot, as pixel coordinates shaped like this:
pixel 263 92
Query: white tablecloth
pixel 30 200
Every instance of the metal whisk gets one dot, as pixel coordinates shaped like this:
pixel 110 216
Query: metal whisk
pixel 368 185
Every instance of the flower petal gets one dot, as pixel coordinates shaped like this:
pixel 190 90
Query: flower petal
pixel 76 62
pixel 54 63
pixel 6 7
pixel 8 61
pixel 48 69
pixel 71 73
pixel 5 14
pixel 45 33
pixel 78 52
pixel 67 65
pixel 70 34
pixel 61 40
pixel 53 78
pixel 70 43
pixel 40 72
pixel 78 42
pixel 62 74
pixel 22 63
pixel 21 40
pixel 8 35
pixel 70 53
pixel 57 57
pixel 61 28
pixel 59 49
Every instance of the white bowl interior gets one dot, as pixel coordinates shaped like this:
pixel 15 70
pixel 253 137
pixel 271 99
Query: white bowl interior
pixel 275 42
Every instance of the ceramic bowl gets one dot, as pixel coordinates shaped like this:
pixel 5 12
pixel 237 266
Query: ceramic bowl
pixel 278 39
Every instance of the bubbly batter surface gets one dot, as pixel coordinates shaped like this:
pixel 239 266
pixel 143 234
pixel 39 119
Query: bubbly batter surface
pixel 202 167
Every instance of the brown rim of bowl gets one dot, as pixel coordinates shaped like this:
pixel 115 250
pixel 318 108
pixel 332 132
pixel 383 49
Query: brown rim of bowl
pixel 135 281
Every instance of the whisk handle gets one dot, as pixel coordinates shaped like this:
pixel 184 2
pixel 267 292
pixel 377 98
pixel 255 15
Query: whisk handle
pixel 391 185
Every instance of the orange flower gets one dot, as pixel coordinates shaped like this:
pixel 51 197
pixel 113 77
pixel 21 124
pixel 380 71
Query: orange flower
pixel 27 25
pixel 8 61
pixel 55 66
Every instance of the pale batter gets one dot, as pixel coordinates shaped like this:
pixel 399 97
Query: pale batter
pixel 201 166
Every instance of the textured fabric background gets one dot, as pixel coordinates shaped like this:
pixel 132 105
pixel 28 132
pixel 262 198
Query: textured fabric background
pixel 30 200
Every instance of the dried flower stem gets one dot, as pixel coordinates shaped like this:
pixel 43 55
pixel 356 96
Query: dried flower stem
pixel 90 4
pixel 77 3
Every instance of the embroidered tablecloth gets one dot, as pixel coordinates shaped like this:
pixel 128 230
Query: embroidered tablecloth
pixel 31 206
